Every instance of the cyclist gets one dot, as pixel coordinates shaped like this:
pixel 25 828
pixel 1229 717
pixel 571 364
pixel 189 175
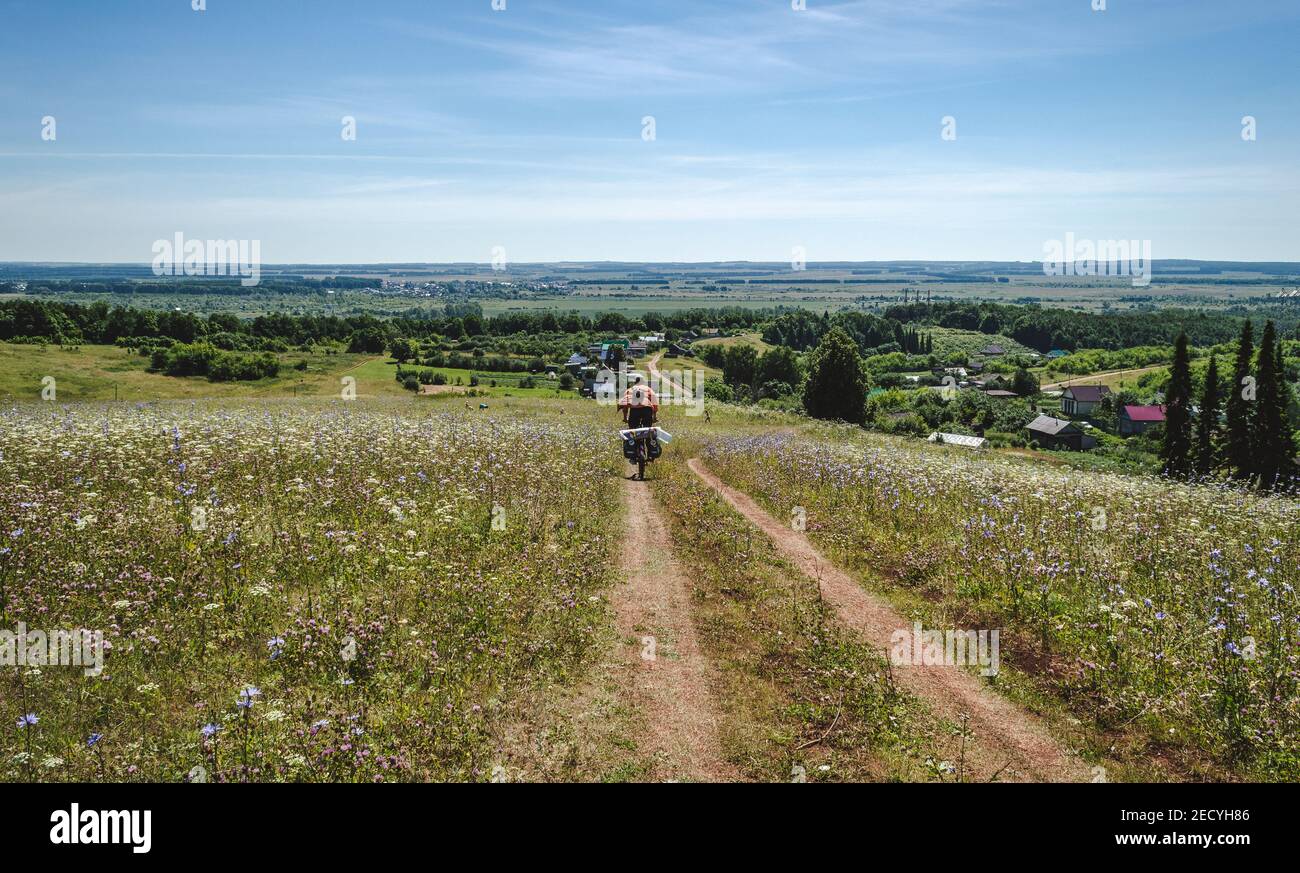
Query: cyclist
pixel 639 405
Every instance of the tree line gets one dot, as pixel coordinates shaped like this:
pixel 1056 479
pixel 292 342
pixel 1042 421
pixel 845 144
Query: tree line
pixel 1069 329
pixel 99 322
pixel 1242 428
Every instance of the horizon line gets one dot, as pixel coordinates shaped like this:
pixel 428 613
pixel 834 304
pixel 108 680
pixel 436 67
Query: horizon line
pixel 488 264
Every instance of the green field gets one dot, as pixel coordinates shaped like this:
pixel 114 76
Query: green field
pixel 111 373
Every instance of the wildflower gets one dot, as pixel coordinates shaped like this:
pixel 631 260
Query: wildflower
pixel 209 730
pixel 28 720
pixel 93 739
pixel 246 696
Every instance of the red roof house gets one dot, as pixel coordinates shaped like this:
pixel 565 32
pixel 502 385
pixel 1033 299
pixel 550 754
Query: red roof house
pixel 1136 419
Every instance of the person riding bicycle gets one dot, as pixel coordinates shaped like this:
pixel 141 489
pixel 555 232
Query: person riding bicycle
pixel 640 406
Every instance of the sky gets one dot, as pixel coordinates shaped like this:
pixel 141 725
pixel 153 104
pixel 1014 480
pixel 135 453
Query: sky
pixel 528 129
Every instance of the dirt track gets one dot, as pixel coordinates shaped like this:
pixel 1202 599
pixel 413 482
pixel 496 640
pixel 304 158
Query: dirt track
pixel 668 675
pixel 1008 742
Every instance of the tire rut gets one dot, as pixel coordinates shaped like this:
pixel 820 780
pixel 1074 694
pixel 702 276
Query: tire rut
pixel 1008 741
pixel 659 649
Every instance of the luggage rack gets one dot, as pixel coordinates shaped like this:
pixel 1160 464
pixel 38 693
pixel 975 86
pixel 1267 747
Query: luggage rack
pixel 638 433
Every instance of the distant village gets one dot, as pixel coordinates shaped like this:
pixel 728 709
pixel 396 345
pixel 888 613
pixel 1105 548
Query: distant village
pixel 1067 414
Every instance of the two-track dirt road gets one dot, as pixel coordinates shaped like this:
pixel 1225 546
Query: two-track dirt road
pixel 1012 743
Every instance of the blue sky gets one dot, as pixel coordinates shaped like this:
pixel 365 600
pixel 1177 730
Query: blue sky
pixel 774 128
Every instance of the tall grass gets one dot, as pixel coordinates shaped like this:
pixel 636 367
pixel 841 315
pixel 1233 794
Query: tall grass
pixel 293 592
pixel 1152 609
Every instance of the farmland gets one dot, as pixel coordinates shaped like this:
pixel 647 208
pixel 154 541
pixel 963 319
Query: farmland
pixel 636 289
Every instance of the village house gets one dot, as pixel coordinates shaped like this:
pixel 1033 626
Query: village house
pixel 1057 433
pixel 575 364
pixel 597 381
pixel 993 351
pixel 1081 400
pixel 1136 419
pixel 602 351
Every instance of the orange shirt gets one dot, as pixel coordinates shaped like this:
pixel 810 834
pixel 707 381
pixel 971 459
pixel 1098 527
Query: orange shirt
pixel 640 395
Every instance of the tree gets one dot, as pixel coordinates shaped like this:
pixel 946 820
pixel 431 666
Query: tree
pixel 1176 451
pixel 1207 426
pixel 1274 441
pixel 1024 383
pixel 1105 414
pixel 779 364
pixel 837 380
pixel 1238 451
pixel 740 364
pixel 401 349
pixel 370 341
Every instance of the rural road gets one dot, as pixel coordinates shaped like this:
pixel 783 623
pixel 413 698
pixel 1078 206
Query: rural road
pixel 1004 735
pixel 652 364
pixel 1091 379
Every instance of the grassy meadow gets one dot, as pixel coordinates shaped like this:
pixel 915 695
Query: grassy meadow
pixel 400 588
pixel 294 591
pixel 97 372
pixel 1162 618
